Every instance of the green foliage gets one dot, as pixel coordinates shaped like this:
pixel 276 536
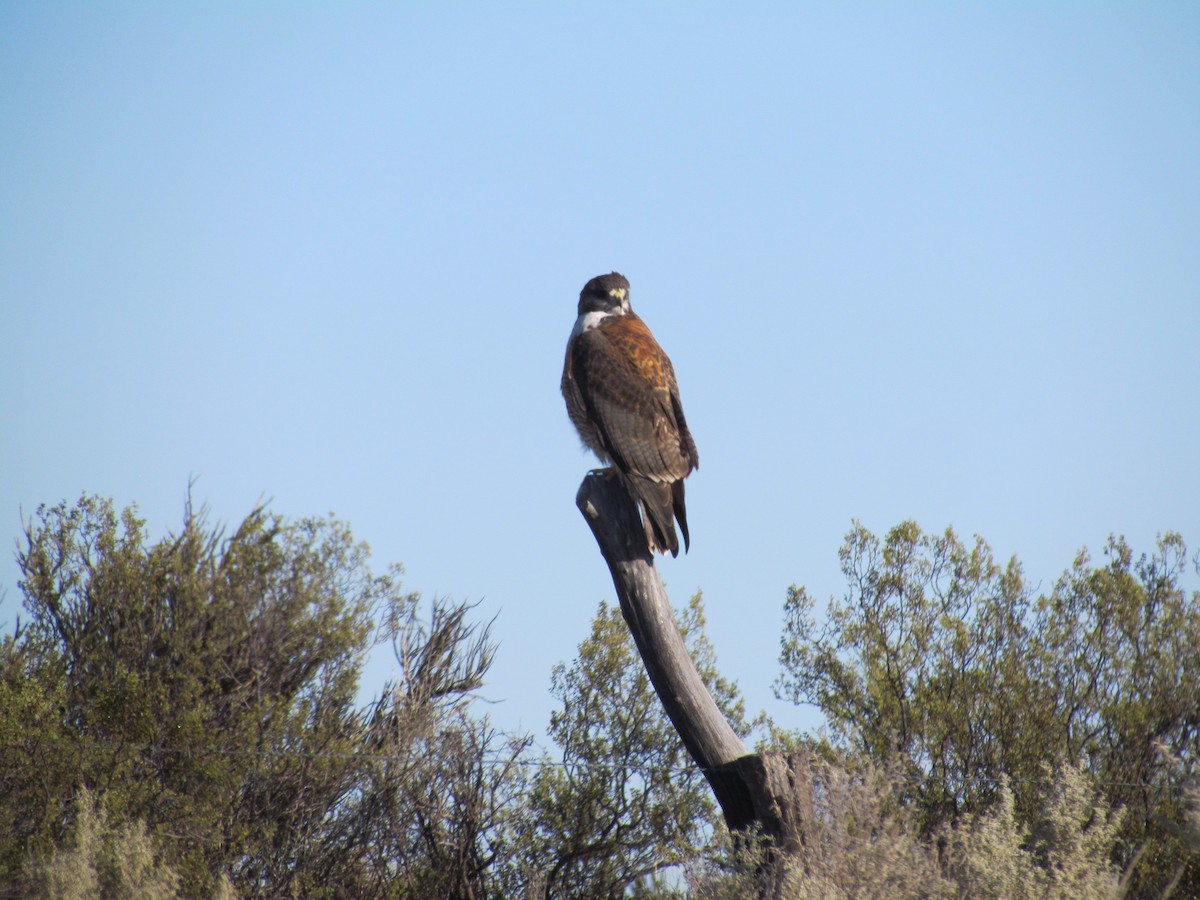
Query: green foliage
pixel 198 695
pixel 180 665
pixel 626 802
pixel 204 687
pixel 940 658
pixel 180 718
pixel 928 656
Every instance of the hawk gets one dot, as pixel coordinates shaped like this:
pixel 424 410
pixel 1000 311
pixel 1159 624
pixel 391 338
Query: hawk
pixel 623 400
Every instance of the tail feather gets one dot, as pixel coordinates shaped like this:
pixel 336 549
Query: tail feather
pixel 680 513
pixel 661 503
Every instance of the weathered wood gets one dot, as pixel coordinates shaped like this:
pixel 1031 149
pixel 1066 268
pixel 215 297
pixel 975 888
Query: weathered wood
pixel 781 793
pixel 770 792
pixel 707 736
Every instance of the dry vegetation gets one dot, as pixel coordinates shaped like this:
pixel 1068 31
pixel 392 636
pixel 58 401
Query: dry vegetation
pixel 181 719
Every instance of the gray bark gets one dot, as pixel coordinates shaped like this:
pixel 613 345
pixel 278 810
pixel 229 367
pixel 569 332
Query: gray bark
pixel 771 792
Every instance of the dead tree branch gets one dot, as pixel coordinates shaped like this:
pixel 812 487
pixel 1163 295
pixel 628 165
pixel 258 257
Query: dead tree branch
pixel 770 792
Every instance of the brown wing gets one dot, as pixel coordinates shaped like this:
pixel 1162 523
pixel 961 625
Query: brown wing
pixel 577 409
pixel 626 386
pixel 622 396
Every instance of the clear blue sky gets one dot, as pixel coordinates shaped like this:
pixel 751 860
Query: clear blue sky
pixel 939 263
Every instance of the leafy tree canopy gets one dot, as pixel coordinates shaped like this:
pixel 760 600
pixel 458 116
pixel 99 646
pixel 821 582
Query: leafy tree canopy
pixel 625 803
pixel 204 686
pixel 941 656
pixel 181 717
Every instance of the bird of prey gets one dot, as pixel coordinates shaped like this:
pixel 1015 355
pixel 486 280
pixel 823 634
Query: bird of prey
pixel 623 400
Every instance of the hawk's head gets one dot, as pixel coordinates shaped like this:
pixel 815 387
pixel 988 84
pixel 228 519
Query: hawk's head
pixel 606 295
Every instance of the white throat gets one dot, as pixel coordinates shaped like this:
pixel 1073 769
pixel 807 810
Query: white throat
pixel 587 321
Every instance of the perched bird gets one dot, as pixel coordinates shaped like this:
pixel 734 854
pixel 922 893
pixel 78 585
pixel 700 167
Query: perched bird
pixel 623 400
